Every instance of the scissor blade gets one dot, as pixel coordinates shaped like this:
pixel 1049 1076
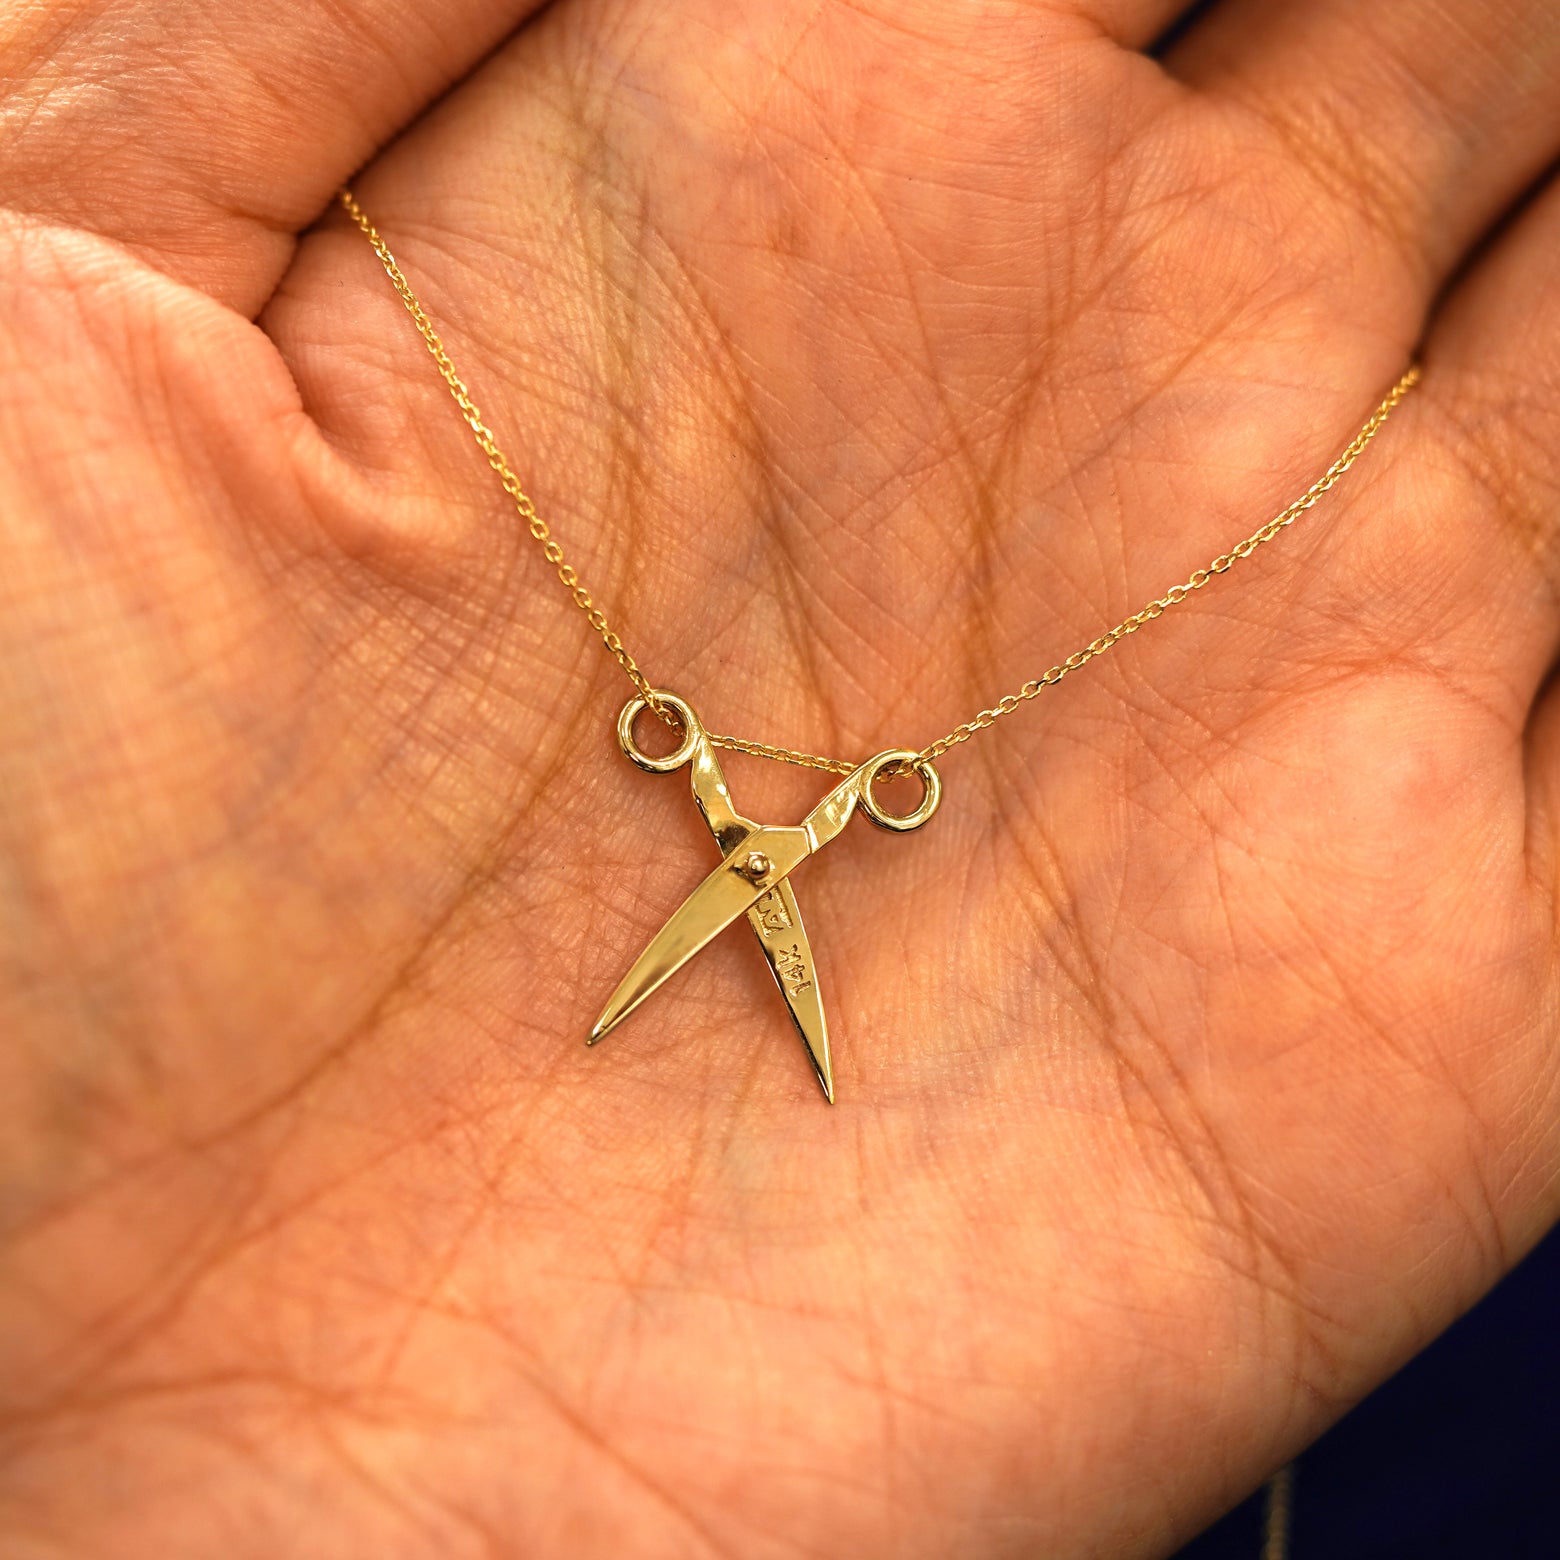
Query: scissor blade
pixel 778 923
pixel 724 895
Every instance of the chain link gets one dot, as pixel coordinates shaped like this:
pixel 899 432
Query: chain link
pixel 784 755
pixel 1277 1514
pixel 540 531
pixel 1178 593
pixel 553 552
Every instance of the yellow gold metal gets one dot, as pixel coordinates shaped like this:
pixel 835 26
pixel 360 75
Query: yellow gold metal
pixel 752 878
pixel 1276 1514
pixel 1199 577
pixel 540 530
pixel 757 861
pixel 774 915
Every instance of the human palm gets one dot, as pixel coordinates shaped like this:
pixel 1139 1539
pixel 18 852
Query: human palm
pixel 1195 1061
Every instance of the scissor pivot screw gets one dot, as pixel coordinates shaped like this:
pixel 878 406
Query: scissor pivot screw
pixel 755 867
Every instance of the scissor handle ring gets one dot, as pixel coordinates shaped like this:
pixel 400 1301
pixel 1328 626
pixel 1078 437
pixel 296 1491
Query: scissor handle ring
pixel 931 794
pixel 693 733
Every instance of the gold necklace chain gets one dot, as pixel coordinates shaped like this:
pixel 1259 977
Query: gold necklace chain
pixel 541 532
pixel 1277 1507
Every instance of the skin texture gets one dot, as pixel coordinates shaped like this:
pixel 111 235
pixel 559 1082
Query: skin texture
pixel 1196 1063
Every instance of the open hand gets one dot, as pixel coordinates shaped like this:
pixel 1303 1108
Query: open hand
pixel 1196 1063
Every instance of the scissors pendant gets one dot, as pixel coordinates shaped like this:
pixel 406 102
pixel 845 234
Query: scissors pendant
pixel 753 878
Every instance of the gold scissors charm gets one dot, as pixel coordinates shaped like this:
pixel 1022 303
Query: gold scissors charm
pixel 753 877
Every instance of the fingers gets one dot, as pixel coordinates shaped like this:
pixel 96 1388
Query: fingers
pixel 1494 409
pixel 1494 413
pixel 1495 353
pixel 1135 23
pixel 204 135
pixel 1423 118
pixel 1417 124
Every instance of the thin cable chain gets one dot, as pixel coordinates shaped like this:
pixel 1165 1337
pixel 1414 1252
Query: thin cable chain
pixel 1277 1515
pixel 538 527
pixel 597 619
pixel 1178 593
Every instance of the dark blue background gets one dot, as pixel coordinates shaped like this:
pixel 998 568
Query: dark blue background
pixel 1455 1458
